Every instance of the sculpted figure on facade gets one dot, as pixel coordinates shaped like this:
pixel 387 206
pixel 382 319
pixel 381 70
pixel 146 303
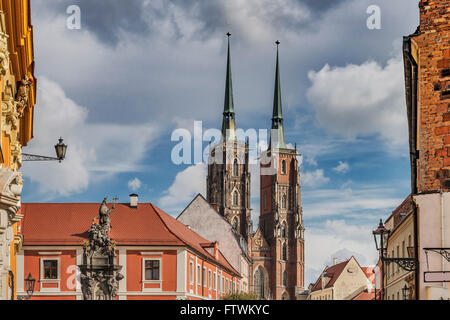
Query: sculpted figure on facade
pixel 22 94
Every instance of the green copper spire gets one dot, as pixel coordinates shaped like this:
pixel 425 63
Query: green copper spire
pixel 228 108
pixel 277 117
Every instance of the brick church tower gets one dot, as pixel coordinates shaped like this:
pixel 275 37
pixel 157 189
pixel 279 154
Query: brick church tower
pixel 228 179
pixel 278 244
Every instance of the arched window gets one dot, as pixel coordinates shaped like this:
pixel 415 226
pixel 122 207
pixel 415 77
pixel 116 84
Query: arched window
pixel 235 198
pixel 285 296
pixel 235 168
pixel 258 281
pixel 284 252
pixel 283 230
pixel 283 202
pixel 283 167
pixel 284 279
pixel 234 223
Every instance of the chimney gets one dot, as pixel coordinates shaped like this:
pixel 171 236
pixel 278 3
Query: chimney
pixel 216 250
pixel 335 261
pixel 133 200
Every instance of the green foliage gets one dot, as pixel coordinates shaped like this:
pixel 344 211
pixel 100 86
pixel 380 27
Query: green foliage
pixel 241 296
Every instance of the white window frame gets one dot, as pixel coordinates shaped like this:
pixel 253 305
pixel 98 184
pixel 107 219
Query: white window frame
pixel 144 281
pixel 191 272
pixel 215 281
pixel 199 275
pixel 57 280
pixel 209 279
pixel 204 279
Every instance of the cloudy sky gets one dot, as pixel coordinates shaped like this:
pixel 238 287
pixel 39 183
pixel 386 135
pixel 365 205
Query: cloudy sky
pixel 137 70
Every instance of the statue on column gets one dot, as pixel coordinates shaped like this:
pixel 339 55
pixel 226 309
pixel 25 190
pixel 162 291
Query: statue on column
pixel 99 274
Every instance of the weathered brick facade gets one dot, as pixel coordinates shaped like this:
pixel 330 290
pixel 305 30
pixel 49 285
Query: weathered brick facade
pixel 430 49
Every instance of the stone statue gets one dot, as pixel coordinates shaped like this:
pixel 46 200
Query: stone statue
pixel 99 274
pixel 87 284
pixel 22 94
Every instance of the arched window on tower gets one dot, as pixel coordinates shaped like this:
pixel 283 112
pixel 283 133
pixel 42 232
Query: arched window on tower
pixel 283 202
pixel 235 198
pixel 258 281
pixel 235 168
pixel 284 278
pixel 284 252
pixel 283 230
pixel 283 167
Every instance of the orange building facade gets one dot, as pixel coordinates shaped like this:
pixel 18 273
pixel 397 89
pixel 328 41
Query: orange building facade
pixel 161 258
pixel 18 94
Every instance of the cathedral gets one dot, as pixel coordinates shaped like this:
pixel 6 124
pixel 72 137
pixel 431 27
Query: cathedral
pixel 276 247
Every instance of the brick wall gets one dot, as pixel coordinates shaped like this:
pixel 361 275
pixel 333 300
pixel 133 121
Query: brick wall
pixel 433 43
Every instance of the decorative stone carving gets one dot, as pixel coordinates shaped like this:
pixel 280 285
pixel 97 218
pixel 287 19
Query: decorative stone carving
pixel 23 94
pixel 99 274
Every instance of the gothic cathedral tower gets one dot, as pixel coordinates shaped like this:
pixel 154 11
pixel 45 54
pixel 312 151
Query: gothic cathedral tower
pixel 278 270
pixel 228 180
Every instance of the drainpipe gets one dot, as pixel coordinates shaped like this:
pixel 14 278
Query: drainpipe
pixel 416 251
pixel 442 230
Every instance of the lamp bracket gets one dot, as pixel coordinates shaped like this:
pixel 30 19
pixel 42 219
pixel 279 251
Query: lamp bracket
pixel 35 157
pixel 444 252
pixel 407 264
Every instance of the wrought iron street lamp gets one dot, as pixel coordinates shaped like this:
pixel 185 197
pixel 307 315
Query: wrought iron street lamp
pixel 381 235
pixel 29 285
pixel 405 291
pixel 60 149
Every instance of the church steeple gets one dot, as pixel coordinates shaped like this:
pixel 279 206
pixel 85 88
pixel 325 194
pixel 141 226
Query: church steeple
pixel 277 116
pixel 228 108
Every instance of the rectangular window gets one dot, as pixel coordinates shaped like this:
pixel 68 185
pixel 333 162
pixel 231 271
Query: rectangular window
pixel 199 275
pixel 403 249
pixel 204 277
pixel 215 281
pixel 223 284
pixel 209 279
pixel 50 269
pixel 152 270
pixel 191 272
pixel 398 256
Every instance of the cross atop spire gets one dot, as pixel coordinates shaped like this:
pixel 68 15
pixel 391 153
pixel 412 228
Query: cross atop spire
pixel 228 108
pixel 277 116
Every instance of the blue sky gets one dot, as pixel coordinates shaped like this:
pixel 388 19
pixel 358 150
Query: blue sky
pixel 135 71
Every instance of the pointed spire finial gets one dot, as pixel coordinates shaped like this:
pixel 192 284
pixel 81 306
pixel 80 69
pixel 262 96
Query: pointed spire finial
pixel 277 116
pixel 228 110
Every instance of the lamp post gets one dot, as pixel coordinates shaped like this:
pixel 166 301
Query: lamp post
pixel 60 149
pixel 379 236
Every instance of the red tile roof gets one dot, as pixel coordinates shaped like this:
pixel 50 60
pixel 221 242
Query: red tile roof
pixel 332 272
pixel 365 296
pixel 370 273
pixel 146 225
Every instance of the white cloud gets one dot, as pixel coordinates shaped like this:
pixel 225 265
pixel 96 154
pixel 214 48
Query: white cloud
pixel 186 185
pixel 342 167
pixel 313 179
pixel 342 241
pixel 95 151
pixel 361 100
pixel 346 201
pixel 135 184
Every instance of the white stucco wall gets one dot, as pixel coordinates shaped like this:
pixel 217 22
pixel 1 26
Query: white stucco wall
pixel 433 232
pixel 208 223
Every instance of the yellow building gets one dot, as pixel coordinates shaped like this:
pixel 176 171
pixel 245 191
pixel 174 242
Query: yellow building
pixel 18 94
pixel 400 244
pixel 341 281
